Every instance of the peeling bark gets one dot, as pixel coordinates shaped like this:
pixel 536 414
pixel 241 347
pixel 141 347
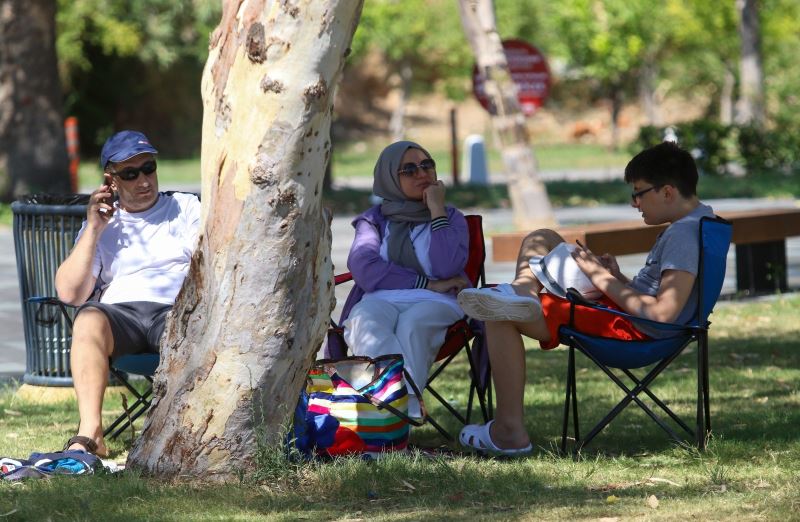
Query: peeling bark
pixel 529 201
pixel 254 308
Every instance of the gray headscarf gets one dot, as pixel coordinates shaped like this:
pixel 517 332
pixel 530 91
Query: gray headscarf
pixel 402 213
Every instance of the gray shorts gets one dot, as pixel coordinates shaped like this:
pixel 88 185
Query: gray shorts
pixel 136 326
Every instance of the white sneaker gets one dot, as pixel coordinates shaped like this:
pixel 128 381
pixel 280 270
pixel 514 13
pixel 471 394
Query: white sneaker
pixel 499 303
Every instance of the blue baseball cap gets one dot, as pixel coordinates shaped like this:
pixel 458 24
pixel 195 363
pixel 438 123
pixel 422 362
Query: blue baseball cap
pixel 124 145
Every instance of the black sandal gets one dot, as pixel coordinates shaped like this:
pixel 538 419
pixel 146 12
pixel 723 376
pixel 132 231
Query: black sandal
pixel 86 442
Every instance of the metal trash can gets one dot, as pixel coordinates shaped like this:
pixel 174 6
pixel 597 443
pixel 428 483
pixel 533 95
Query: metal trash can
pixel 45 226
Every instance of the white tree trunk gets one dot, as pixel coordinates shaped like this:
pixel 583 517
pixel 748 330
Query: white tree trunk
pixel 648 93
pixel 750 107
pixel 529 201
pixel 726 97
pixel 256 303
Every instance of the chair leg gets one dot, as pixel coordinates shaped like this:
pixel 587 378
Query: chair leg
pixel 441 430
pixel 446 404
pixel 631 395
pixel 659 402
pixel 134 411
pixel 570 396
pixel 706 387
pixel 475 384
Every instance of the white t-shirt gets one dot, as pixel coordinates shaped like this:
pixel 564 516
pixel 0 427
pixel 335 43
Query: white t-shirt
pixel 144 256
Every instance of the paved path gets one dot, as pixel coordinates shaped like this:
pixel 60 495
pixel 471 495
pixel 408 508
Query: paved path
pixel 12 342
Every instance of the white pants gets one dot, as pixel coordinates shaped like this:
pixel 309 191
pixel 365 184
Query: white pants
pixel 377 327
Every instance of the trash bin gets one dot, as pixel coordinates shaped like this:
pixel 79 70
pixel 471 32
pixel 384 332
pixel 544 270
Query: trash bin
pixel 45 226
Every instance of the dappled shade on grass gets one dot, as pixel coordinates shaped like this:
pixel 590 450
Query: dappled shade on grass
pixel 748 471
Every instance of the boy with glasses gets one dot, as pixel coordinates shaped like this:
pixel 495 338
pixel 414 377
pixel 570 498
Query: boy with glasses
pixel 664 182
pixel 133 250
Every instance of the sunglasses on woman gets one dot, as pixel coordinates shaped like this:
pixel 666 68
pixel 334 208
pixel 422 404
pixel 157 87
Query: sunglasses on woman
pixel 410 169
pixel 131 173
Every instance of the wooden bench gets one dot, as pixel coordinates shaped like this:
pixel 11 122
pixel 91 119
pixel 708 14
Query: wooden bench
pixel 759 235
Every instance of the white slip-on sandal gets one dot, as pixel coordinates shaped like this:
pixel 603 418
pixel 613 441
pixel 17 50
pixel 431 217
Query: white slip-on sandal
pixel 477 436
pixel 499 303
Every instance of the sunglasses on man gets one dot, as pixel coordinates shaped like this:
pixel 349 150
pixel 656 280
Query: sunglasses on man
pixel 410 169
pixel 131 173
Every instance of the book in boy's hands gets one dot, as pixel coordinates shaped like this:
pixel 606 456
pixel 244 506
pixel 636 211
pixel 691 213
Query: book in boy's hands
pixel 558 272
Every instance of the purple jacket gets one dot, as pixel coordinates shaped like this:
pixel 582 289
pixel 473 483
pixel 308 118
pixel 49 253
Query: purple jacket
pixel 448 256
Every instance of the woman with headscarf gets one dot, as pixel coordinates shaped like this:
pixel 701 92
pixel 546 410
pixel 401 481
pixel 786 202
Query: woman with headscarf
pixel 407 262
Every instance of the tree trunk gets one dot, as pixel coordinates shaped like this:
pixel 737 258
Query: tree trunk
pixel 616 110
pixel 726 97
pixel 648 96
pixel 397 123
pixel 255 305
pixel 529 201
pixel 750 107
pixel 33 154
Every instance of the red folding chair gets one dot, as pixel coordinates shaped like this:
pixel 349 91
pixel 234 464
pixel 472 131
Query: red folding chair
pixel 464 335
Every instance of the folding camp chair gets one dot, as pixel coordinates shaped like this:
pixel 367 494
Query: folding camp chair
pixel 624 356
pixel 144 365
pixel 458 338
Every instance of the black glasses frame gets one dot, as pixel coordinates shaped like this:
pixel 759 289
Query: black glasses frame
pixel 410 169
pixel 639 194
pixel 132 173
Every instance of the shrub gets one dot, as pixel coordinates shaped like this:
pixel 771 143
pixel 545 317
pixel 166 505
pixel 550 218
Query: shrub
pixel 716 146
pixel 764 150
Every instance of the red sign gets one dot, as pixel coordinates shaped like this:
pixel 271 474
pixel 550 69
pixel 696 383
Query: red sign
pixel 528 70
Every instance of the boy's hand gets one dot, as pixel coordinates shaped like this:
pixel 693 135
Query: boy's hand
pixel 589 263
pixel 610 262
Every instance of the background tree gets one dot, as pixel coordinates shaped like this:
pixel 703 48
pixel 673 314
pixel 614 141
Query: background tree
pixel 616 43
pixel 421 43
pixel 529 200
pixel 33 155
pixel 135 64
pixel 706 54
pixel 750 106
pixel 255 305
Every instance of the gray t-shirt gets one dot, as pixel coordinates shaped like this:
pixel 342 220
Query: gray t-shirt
pixel 676 248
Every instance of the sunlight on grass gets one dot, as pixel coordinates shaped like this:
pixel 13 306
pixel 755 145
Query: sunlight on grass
pixel 748 471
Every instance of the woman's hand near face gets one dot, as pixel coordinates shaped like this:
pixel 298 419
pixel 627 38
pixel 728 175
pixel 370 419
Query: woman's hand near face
pixel 433 197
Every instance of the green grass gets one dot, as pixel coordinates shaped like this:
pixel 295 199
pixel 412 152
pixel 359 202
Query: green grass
pixel 750 470
pixel 354 160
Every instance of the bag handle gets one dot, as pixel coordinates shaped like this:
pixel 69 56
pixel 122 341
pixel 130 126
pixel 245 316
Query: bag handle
pixel 383 405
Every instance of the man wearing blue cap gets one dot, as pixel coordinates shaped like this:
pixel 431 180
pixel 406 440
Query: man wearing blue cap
pixel 130 257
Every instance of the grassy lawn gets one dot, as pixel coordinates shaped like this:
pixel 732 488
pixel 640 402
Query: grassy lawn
pixel 354 160
pixel 358 160
pixel 750 470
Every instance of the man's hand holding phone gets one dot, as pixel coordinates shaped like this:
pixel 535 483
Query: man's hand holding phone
pixel 100 204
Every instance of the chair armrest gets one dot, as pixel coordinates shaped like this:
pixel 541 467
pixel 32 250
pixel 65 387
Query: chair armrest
pixel 43 301
pixel 342 278
pixel 576 299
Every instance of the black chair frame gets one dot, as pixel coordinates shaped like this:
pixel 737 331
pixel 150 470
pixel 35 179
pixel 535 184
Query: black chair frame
pixel 693 333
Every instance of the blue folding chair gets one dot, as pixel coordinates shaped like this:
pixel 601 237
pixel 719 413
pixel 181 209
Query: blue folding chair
pixel 624 356
pixel 144 364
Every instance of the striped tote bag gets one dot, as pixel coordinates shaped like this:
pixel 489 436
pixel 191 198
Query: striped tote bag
pixel 354 405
